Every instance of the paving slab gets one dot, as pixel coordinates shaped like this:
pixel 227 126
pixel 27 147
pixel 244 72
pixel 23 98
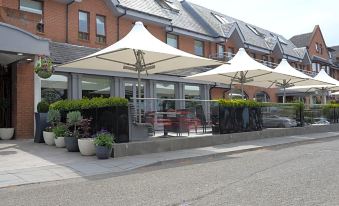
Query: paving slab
pixel 24 162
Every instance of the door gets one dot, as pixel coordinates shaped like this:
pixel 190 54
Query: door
pixel 5 97
pixel 131 93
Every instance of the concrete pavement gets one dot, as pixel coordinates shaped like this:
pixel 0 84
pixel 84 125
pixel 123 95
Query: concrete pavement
pixel 24 162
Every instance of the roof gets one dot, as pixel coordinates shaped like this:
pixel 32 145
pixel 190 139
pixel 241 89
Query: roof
pixel 302 40
pixel 266 40
pixel 63 52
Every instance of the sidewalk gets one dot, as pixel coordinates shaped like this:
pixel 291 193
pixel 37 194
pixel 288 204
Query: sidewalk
pixel 24 162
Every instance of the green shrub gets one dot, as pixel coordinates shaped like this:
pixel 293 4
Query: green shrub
pixel 43 106
pixel 60 130
pixel 240 103
pixel 97 102
pixel 53 117
pixel 104 139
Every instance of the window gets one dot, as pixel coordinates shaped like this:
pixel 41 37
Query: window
pixel 262 97
pixel 321 49
pixel 281 40
pixel 314 67
pixel 165 91
pixel 199 48
pixel 54 88
pixel 101 29
pixel 330 55
pixel 271 63
pixel 172 40
pixel 83 25
pixel 254 30
pixel 235 94
pixel 220 50
pixel 95 87
pixel 191 92
pixel 265 60
pixel 168 4
pixel 32 6
pixel 253 55
pixel 221 19
pixel 317 47
pixel 230 52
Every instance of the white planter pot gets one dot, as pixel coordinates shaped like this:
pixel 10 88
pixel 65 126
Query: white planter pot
pixel 6 133
pixel 86 146
pixel 60 142
pixel 49 138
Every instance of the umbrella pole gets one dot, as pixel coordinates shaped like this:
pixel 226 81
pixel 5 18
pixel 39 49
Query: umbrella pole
pixel 242 90
pixel 139 95
pixel 284 96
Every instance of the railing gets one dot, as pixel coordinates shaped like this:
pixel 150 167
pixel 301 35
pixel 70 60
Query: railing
pixel 190 117
pixel 227 56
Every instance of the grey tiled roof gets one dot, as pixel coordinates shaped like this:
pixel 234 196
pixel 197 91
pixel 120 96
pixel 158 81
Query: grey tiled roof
pixel 182 19
pixel 249 36
pixel 62 52
pixel 302 51
pixel 301 40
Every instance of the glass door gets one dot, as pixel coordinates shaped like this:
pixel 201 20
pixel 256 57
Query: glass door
pixel 131 93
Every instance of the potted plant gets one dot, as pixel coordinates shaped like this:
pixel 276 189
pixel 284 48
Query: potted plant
pixel 6 132
pixel 59 132
pixel 41 121
pixel 103 145
pixel 72 136
pixel 86 143
pixel 53 118
pixel 44 67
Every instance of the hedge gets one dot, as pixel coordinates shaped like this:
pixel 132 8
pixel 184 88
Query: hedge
pixel 79 104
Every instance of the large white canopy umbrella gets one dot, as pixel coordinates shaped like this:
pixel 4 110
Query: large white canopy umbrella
pixel 293 78
pixel 243 70
pixel 332 85
pixel 139 51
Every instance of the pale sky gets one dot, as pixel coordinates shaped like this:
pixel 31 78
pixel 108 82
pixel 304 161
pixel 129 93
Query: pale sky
pixel 285 17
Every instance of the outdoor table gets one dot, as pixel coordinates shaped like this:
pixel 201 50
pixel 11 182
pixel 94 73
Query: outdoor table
pixel 165 121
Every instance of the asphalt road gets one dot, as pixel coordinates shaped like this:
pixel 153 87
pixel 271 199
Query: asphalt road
pixel 306 174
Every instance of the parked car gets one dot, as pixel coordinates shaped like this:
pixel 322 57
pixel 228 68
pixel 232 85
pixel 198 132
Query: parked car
pixel 274 121
pixel 321 121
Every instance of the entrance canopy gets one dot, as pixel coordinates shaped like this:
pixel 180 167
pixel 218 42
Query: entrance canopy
pixel 17 44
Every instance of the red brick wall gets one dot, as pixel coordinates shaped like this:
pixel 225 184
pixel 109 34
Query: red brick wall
pixel 317 38
pixel 23 100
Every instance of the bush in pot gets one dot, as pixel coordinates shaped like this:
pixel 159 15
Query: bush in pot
pixel 73 134
pixel 53 118
pixel 103 145
pixel 59 132
pixel 86 143
pixel 41 121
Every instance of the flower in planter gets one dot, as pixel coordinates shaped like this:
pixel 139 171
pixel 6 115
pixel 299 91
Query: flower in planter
pixel 44 67
pixel 104 139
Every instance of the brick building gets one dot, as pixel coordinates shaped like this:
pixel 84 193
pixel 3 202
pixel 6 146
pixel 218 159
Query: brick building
pixel 70 29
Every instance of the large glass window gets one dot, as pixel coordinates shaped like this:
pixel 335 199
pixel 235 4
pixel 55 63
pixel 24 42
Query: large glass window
pixel 199 48
pixel 95 87
pixel 31 6
pixel 165 91
pixel 83 25
pixel 172 40
pixel 191 92
pixel 101 29
pixel 262 97
pixel 54 88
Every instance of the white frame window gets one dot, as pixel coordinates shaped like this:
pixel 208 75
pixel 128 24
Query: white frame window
pixel 32 6
pixel 221 19
pixel 199 48
pixel 172 40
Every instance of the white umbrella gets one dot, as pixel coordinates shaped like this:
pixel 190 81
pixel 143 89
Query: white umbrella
pixel 242 69
pixel 139 51
pixel 332 84
pixel 293 78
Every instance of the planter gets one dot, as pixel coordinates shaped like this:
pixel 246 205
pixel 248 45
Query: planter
pixel 49 138
pixel 6 133
pixel 71 144
pixel 40 126
pixel 86 146
pixel 103 152
pixel 60 142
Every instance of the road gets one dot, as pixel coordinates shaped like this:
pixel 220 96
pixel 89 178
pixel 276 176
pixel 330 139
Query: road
pixel 306 174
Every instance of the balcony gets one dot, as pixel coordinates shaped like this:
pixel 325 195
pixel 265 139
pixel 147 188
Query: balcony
pixel 226 56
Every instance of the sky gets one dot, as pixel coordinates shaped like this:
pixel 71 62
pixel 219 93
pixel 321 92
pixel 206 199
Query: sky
pixel 285 17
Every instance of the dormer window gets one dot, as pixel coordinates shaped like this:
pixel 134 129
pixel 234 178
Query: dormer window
pixel 33 6
pixel 168 4
pixel 281 40
pixel 221 19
